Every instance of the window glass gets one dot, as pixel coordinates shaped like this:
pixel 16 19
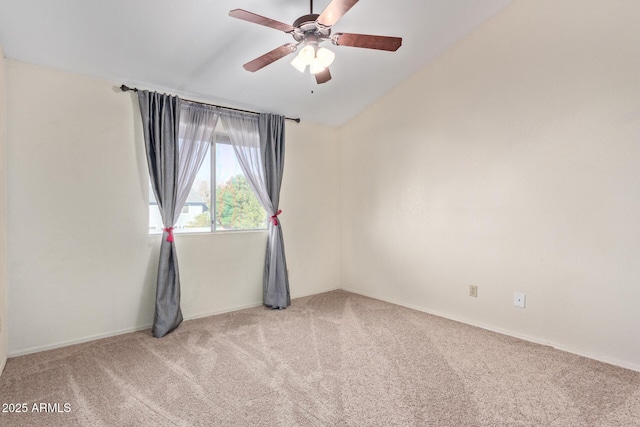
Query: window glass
pixel 237 208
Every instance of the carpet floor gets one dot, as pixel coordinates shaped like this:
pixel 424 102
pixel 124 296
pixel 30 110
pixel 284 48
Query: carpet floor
pixel 334 359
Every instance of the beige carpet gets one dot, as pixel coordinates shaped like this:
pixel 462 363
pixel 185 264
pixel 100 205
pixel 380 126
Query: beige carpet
pixel 335 359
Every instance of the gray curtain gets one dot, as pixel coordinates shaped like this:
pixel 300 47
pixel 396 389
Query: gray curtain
pixel 177 136
pixel 259 146
pixel 160 123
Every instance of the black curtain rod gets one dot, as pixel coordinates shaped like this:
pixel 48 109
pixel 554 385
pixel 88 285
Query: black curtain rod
pixel 126 88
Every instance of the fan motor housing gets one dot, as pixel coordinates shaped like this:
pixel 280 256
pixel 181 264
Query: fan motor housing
pixel 307 25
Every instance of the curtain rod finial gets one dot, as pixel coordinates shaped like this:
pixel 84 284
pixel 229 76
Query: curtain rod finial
pixel 126 88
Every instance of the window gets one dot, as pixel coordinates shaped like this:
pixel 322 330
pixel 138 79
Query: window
pixel 235 207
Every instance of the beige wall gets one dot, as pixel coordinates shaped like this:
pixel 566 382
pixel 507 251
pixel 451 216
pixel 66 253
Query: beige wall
pixel 3 224
pixel 81 262
pixel 512 163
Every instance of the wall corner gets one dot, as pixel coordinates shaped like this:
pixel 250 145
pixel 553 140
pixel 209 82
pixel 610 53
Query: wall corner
pixel 3 221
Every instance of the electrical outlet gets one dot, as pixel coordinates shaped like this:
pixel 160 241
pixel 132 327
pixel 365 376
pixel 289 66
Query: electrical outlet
pixel 518 299
pixel 473 291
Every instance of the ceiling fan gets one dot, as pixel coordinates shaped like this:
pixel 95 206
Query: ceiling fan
pixel 309 31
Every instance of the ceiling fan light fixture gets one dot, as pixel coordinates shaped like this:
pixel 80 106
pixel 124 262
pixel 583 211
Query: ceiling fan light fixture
pixel 299 64
pixel 325 56
pixel 307 54
pixel 316 66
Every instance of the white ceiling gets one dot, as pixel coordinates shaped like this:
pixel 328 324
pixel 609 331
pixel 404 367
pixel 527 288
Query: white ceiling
pixel 194 49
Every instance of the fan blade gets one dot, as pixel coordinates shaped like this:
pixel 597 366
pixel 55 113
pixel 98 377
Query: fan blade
pixel 269 57
pixel 334 11
pixel 368 42
pixel 261 20
pixel 323 76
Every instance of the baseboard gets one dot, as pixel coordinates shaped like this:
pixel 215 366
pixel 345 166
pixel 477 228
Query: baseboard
pixel 314 293
pixel 3 363
pixel 226 310
pixel 52 346
pixel 510 333
pixel 37 349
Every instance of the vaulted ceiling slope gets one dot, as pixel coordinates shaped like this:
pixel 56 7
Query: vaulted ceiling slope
pixel 195 49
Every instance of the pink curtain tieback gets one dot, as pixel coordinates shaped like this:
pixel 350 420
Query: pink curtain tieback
pixel 274 218
pixel 170 231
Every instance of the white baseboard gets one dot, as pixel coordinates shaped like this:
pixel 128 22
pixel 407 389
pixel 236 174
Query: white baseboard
pixel 314 293
pixel 536 340
pixel 510 333
pixel 52 346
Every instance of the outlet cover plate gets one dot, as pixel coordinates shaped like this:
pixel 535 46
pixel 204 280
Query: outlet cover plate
pixel 519 299
pixel 473 291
